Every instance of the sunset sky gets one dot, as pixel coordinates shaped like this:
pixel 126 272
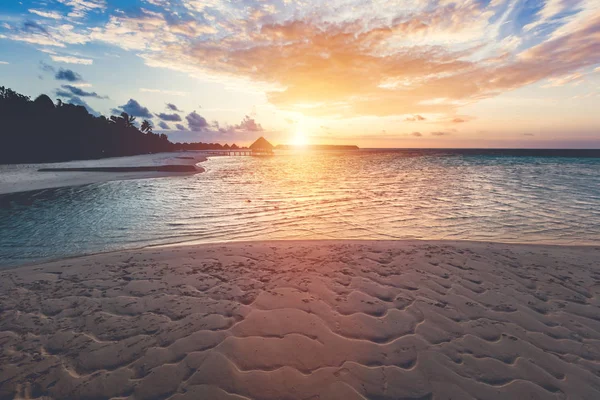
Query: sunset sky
pixel 379 73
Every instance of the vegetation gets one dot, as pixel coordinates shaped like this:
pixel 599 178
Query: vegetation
pixel 203 146
pixel 40 131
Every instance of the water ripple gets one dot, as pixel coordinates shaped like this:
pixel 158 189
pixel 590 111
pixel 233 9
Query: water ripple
pixel 362 195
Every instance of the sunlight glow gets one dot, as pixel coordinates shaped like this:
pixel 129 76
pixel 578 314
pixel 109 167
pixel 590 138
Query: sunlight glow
pixel 300 138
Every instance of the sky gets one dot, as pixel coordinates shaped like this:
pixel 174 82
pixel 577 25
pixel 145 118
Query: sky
pixel 375 73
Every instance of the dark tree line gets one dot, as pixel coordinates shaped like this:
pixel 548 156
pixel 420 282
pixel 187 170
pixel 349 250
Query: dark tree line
pixel 35 131
pixel 205 146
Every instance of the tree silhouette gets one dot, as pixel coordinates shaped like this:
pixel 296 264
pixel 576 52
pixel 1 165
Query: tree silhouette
pixel 146 127
pixel 124 120
pixel 117 121
pixel 128 119
pixel 43 103
pixel 40 131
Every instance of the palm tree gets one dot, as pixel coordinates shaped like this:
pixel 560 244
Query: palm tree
pixel 128 120
pixel 120 122
pixel 146 127
pixel 124 120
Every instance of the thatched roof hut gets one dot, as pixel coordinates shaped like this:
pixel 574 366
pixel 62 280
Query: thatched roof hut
pixel 262 146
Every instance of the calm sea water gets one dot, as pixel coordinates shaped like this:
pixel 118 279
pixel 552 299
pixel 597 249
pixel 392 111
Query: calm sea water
pixel 416 194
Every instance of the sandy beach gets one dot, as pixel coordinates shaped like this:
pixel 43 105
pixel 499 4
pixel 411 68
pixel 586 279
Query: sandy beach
pixel 306 320
pixel 25 177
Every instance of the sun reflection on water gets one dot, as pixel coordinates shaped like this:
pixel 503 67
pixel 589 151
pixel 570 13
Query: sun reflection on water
pixel 315 195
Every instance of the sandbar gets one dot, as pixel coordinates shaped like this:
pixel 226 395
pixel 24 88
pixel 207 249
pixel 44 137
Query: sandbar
pixel 16 178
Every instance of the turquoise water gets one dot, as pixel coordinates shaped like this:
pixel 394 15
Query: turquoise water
pixel 359 195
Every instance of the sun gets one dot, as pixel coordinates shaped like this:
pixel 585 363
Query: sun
pixel 300 139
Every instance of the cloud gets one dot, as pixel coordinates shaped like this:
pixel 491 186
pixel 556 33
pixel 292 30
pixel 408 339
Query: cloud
pixel 4 63
pixel 81 84
pixel 417 134
pixel 72 60
pixel 169 117
pixel 34 27
pixel 551 10
pixel 77 91
pixel 46 67
pixel 134 109
pixel 440 133
pixel 64 93
pixel 458 120
pixel 247 128
pixel 346 58
pixel 196 122
pixel 68 75
pixel 164 125
pixel 148 30
pixel 237 38
pixel 249 124
pixel 563 80
pixel 46 14
pixel 339 67
pixel 173 107
pixel 80 8
pixel 168 92
pixel 415 118
pixel 77 101
pixel 72 95
pixel 45 33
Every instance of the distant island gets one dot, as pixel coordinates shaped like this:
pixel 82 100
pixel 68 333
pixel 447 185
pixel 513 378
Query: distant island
pixel 39 131
pixel 318 147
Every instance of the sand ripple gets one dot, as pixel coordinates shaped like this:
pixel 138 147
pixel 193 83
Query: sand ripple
pixel 306 320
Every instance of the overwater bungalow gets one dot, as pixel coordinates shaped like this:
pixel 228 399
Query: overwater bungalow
pixel 262 147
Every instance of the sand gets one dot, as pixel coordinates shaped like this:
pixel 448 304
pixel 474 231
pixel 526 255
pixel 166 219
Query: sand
pixel 25 177
pixel 306 320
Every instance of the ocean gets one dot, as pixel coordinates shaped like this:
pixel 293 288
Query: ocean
pixel 524 196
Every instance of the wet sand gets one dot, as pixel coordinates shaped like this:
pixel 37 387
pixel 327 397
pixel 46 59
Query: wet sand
pixel 306 320
pixel 26 177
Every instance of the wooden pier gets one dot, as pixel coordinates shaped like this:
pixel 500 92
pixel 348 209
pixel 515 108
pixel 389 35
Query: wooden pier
pixel 260 148
pixel 237 152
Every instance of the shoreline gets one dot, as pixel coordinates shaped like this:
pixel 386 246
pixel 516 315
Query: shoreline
pixel 20 178
pixel 337 319
pixel 198 243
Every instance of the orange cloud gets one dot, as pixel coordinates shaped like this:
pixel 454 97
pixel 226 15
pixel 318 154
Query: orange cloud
pixel 338 69
pixel 364 60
